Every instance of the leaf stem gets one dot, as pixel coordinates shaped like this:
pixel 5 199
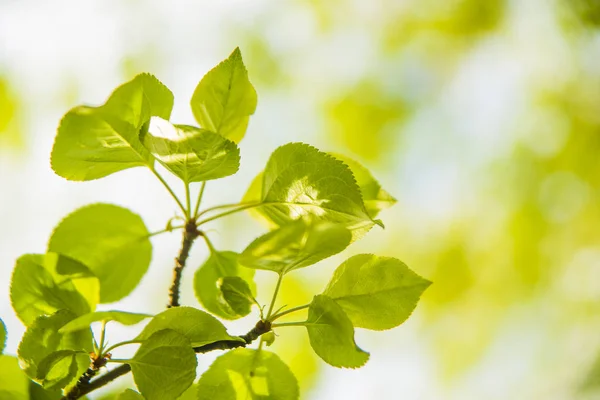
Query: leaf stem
pixel 188 201
pixel 102 335
pixel 219 207
pixel 224 214
pixel 299 323
pixel 166 185
pixel 277 286
pixel 114 346
pixel 291 310
pixel 200 195
pixel 170 229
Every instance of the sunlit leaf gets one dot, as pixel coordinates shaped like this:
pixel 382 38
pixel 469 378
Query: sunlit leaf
pixel 298 244
pixel 199 327
pixel 43 338
pixel 129 394
pixel 237 294
pixel 37 392
pixel 122 317
pixel 93 142
pixel 164 366
pixel 248 374
pixel 42 284
pixel 110 240
pixel 331 334
pixel 220 265
pixel 300 180
pixel 59 368
pixel 374 197
pixel 376 292
pixel 191 153
pixel 13 382
pixel 224 99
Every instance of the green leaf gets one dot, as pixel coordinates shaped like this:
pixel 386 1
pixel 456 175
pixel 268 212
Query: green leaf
pixel 374 197
pixel 122 317
pixel 191 153
pixel 248 374
pixel 224 99
pixel 2 336
pixel 58 369
pixel 36 392
pixel 331 334
pixel 298 244
pixel 42 284
pixel 93 142
pixel 43 338
pixel 196 325
pixel 237 294
pixel 220 265
pixel 164 366
pixel 300 180
pixel 112 241
pixel 129 394
pixel 13 382
pixel 376 292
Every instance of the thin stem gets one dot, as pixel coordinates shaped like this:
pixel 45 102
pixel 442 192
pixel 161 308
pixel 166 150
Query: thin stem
pixel 114 346
pixel 188 201
pixel 209 244
pixel 224 214
pixel 200 195
pixel 299 323
pixel 219 207
pixel 102 334
pixel 189 235
pixel 277 286
pixel 166 185
pixel 170 229
pixel 291 310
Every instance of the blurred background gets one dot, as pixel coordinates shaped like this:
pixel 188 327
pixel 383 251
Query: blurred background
pixel 482 117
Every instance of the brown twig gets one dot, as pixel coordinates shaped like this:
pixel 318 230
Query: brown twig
pixel 190 234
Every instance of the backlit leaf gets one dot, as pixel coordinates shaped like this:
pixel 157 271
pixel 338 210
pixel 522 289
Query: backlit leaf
pixel 13 382
pixel 376 292
pixel 110 240
pixel 2 336
pixel 191 153
pixel 237 294
pixel 164 366
pixel 331 334
pixel 374 197
pixel 224 99
pixel 300 180
pixel 122 317
pixel 199 327
pixel 59 368
pixel 298 244
pixel 93 142
pixel 220 265
pixel 248 374
pixel 43 338
pixel 42 284
pixel 129 395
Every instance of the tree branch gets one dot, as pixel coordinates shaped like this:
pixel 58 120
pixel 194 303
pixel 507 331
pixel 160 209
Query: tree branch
pixel 189 235
pixel 84 387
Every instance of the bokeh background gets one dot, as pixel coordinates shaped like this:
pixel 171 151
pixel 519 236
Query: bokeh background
pixel 482 117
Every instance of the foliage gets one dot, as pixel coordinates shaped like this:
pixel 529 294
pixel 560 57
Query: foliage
pixel 316 203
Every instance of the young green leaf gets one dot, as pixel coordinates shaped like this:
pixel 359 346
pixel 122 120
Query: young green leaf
pixel 112 241
pixel 42 284
pixel 224 99
pixel 237 294
pixel 2 336
pixel 164 366
pixel 36 392
pixel 42 338
pixel 199 327
pixel 298 244
pixel 191 153
pixel 248 374
pixel 129 394
pixel 331 334
pixel 59 368
pixel 122 317
pixel 300 180
pixel 374 197
pixel 220 265
pixel 376 292
pixel 13 382
pixel 93 142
